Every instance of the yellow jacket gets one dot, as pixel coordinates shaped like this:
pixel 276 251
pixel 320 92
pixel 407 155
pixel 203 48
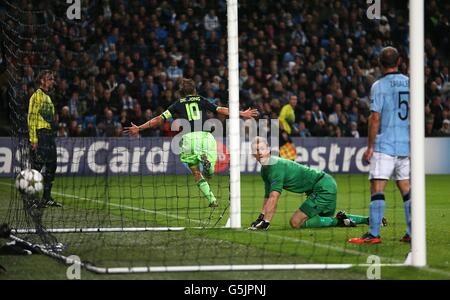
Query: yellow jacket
pixel 287 116
pixel 41 113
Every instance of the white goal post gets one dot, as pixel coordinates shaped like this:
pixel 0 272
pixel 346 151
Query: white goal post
pixel 417 131
pixel 233 96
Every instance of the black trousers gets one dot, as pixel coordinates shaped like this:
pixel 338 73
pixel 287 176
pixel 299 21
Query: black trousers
pixel 43 158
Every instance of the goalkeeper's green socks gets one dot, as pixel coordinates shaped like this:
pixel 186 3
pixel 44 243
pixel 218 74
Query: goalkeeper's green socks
pixel 358 219
pixel 316 222
pixel 203 185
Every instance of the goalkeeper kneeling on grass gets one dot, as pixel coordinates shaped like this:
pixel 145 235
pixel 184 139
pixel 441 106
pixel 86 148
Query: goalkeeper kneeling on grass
pixel 320 188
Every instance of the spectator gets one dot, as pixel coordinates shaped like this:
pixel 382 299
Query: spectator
pixel 108 126
pixel 148 115
pixel 354 130
pixel 287 116
pixel 444 75
pixel 309 121
pixel 344 125
pixel 291 55
pixel 74 105
pixel 124 120
pixel 173 71
pixel 320 129
pixel 317 114
pixel 107 102
pixel 62 130
pixel 316 56
pixel 336 115
pixel 429 130
pixel 28 77
pixel 338 132
pixel 118 130
pixel 61 94
pixel 151 85
pixel 65 118
pixel 363 125
pixel 132 85
pixel 91 103
pixel 328 106
pixel 148 101
pixel 137 117
pixel 353 115
pixel 445 130
pixel 111 83
pixel 437 110
pixel 302 130
pixel 90 129
pixel 126 101
pixel 211 23
pixel 384 26
pixel 75 129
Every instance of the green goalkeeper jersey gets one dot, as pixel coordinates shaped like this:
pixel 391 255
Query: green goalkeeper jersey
pixel 285 174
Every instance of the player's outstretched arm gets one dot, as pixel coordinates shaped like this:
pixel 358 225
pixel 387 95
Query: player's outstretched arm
pixel 248 113
pixel 135 129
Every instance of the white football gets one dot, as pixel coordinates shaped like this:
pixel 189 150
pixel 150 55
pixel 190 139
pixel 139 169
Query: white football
pixel 30 182
pixel 23 184
pixel 37 177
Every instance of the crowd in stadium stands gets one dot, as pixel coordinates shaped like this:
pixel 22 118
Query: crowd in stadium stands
pixel 318 57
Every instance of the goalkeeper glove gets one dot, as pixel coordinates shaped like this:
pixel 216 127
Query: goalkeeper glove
pixel 260 223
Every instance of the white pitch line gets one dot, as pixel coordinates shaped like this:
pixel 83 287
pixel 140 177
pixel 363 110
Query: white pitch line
pixel 325 246
pixel 394 262
pixel 315 244
pixel 129 207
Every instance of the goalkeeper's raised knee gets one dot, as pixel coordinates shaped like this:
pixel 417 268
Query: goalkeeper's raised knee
pixel 298 219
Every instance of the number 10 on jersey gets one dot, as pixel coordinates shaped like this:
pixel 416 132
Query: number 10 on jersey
pixel 192 111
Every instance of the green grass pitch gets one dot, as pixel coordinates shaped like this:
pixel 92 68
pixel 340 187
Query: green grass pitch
pixel 160 201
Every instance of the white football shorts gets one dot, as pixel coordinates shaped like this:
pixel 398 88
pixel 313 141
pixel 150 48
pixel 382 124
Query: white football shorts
pixel 384 166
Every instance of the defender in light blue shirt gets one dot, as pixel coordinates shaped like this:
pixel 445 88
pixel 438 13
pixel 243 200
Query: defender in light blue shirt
pixel 388 144
pixel 390 98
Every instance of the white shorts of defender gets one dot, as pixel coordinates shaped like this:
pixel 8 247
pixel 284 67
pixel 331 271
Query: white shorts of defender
pixel 384 166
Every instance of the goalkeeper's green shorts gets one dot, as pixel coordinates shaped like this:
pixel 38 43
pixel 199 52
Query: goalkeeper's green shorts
pixel 196 144
pixel 322 200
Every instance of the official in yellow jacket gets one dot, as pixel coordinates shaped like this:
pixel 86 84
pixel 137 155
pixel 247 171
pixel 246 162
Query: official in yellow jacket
pixel 42 135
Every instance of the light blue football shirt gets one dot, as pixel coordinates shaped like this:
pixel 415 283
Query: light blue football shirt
pixel 389 96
